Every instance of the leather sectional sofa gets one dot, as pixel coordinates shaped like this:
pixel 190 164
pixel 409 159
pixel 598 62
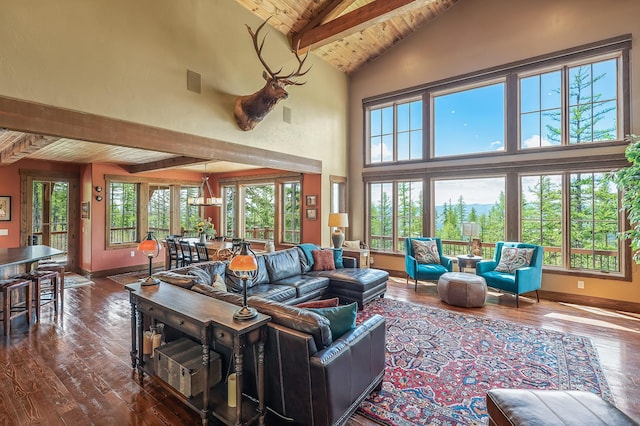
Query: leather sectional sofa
pixel 312 377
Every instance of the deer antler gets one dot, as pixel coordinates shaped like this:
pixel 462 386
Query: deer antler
pixel 286 79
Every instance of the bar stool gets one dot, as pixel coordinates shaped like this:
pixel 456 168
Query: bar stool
pixel 44 283
pixel 49 265
pixel 6 287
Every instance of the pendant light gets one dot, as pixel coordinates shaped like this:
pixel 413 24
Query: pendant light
pixel 205 199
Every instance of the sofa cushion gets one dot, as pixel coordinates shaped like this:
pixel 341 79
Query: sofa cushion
pixel 323 260
pixel 512 258
pixel 278 293
pixel 323 303
pixel 426 251
pixel 356 279
pixel 181 280
pixel 304 283
pixel 297 319
pixel 235 283
pixel 282 264
pixel 225 296
pixel 341 318
pixel 206 272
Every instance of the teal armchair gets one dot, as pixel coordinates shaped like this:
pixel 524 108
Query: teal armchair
pixel 523 280
pixel 421 271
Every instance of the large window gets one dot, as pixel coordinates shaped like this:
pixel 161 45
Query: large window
pixel 395 132
pixel 399 203
pixel 521 149
pixel 123 213
pixel 589 114
pixel 263 209
pixel 469 121
pixel 159 210
pixel 189 214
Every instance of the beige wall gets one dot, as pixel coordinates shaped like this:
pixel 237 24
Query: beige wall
pixel 128 60
pixel 479 34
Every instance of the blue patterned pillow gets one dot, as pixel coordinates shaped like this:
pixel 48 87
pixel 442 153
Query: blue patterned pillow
pixel 426 251
pixel 513 258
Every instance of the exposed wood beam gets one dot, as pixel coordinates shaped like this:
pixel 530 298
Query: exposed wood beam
pixel 355 21
pixel 333 10
pixel 24 145
pixel 31 117
pixel 163 164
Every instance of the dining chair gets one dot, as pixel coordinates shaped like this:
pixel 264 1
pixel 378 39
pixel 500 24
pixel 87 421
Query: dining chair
pixel 175 253
pixel 187 257
pixel 202 252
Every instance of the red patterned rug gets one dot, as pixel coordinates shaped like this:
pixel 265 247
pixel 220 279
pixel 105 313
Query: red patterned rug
pixel 440 364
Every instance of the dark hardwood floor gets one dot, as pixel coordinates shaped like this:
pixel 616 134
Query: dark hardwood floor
pixel 75 369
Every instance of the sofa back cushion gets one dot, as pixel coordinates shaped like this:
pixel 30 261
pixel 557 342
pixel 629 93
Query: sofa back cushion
pixel 299 319
pixel 235 283
pixel 205 273
pixel 282 264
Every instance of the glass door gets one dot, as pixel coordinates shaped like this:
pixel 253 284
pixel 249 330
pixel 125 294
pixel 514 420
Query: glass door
pixel 50 214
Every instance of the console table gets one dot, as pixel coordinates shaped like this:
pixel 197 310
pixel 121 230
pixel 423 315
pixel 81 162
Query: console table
pixel 209 321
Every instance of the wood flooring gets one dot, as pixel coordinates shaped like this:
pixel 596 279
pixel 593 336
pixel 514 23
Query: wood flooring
pixel 75 369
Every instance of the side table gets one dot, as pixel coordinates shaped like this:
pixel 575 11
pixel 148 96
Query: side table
pixel 466 261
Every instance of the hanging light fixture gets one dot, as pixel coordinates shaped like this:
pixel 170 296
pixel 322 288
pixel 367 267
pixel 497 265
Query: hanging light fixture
pixel 202 199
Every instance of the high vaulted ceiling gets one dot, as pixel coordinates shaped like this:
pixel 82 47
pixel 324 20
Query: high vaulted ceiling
pixel 345 33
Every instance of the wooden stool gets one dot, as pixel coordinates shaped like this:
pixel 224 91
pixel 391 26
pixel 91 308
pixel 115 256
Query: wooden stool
pixel 53 266
pixel 44 282
pixel 7 286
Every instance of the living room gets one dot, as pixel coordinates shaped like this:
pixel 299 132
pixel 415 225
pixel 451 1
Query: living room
pixel 116 74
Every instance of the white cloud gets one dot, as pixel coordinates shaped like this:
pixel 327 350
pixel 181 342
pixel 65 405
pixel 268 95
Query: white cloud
pixel 375 153
pixel 474 191
pixel 535 141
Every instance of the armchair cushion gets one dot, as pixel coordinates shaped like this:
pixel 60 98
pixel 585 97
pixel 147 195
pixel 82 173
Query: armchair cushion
pixel 355 244
pixel 341 318
pixel 513 258
pixel 426 251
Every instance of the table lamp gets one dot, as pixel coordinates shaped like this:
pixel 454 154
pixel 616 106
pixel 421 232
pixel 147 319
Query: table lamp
pixel 151 248
pixel 470 229
pixel 338 220
pixel 245 267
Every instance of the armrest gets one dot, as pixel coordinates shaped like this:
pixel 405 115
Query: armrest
pixel 485 266
pixel 350 262
pixel 447 263
pixel 528 279
pixel 411 264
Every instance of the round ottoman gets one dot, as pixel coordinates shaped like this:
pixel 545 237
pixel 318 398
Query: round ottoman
pixel 462 289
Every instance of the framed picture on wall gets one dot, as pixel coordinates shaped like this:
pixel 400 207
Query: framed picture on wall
pixel 312 214
pixel 5 208
pixel 86 210
pixel 312 200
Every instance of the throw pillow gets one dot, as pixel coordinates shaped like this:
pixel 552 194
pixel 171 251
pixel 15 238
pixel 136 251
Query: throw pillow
pixel 512 258
pixel 324 303
pixel 185 281
pixel 426 251
pixel 218 283
pixel 323 260
pixel 355 244
pixel 337 258
pixel 307 248
pixel 341 318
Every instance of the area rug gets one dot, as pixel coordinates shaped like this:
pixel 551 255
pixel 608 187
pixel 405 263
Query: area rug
pixel 440 364
pixel 73 280
pixel 129 277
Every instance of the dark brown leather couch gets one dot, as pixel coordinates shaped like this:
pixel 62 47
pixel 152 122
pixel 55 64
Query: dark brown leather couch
pixel 312 378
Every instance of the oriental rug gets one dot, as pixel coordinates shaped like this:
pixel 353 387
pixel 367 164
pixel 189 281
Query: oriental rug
pixel 129 277
pixel 440 364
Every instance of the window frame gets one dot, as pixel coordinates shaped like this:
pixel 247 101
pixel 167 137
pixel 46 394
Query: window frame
pixel 513 161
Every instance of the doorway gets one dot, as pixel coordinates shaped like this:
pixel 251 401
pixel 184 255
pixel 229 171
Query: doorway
pixel 49 213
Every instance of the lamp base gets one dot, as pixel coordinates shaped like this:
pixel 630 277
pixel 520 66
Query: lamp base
pixel 338 238
pixel 150 281
pixel 245 313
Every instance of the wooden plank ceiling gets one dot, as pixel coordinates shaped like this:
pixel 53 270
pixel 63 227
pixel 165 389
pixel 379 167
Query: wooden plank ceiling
pixel 345 33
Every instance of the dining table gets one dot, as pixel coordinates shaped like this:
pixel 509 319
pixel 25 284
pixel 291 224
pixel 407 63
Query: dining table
pixel 16 260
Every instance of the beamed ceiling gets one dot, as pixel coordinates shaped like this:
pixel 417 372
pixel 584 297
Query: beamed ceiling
pixel 344 33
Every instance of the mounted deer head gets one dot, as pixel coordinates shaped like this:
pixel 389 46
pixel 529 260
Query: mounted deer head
pixel 251 109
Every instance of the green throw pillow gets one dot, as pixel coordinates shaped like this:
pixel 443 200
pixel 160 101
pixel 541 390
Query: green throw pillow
pixel 341 318
pixel 337 258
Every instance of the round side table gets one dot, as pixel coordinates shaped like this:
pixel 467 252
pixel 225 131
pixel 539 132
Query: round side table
pixel 466 261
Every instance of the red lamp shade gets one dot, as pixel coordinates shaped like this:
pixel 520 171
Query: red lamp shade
pixel 149 247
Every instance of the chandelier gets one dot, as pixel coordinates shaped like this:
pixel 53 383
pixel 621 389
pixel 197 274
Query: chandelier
pixel 202 199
